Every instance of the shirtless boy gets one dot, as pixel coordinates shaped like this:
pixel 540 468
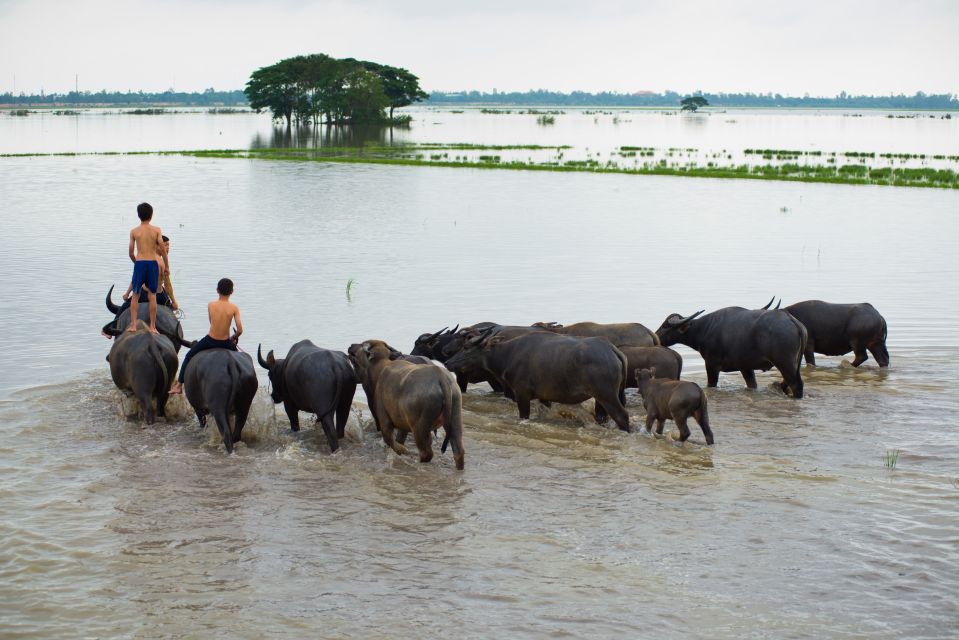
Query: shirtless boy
pixel 223 314
pixel 148 242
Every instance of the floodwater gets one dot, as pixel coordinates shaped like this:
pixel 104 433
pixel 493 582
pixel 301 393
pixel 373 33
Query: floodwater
pixel 792 525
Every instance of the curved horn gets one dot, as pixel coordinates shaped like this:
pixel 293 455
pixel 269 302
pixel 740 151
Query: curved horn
pixel 112 308
pixel 779 303
pixel 768 303
pixel 454 329
pixel 674 322
pixel 259 358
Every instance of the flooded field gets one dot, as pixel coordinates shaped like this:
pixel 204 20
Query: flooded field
pixel 835 515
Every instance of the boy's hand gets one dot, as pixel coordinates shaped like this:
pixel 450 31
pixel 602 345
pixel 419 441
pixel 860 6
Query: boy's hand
pixel 126 296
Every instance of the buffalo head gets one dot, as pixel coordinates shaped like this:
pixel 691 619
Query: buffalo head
pixel 674 326
pixel 274 368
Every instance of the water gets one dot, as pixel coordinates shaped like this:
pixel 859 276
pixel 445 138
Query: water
pixel 790 526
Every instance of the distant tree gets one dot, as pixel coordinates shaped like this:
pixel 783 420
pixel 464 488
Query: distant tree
pixel 692 103
pixel 400 86
pixel 275 88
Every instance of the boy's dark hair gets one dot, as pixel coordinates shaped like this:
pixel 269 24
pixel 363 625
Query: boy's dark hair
pixel 144 211
pixel 165 239
pixel 224 287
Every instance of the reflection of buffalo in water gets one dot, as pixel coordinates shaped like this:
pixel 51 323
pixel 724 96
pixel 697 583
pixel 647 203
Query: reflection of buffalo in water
pixel 314 380
pixel 221 382
pixel 551 368
pixel 737 339
pixel 144 365
pixel 837 329
pixel 620 334
pixel 675 400
pixel 411 398
pixel 167 323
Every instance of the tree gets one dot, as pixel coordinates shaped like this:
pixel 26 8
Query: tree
pixel 306 88
pixel 691 103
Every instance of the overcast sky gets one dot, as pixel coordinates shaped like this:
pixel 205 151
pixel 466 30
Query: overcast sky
pixel 814 46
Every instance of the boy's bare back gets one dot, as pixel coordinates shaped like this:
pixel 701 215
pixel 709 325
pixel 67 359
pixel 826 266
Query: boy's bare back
pixel 147 239
pixel 222 314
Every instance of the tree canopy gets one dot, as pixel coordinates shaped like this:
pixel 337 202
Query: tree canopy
pixel 317 88
pixel 692 103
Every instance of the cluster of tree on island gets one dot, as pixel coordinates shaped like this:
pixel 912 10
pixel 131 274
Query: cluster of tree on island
pixel 317 88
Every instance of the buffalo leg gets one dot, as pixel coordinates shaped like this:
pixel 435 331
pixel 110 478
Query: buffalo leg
pixel 386 428
pixel 649 422
pixel 239 421
pixel 660 423
pixel 712 375
pixel 809 354
pixel 293 414
pixel 522 402
pixel 424 442
pixel 330 431
pixel 750 377
pixel 683 428
pixel 400 436
pixel 879 352
pixel 600 413
pixel 343 406
pixel 462 382
pixel 616 410
pixel 861 356
pixel 201 418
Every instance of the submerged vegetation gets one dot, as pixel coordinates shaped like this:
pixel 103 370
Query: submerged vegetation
pixel 779 164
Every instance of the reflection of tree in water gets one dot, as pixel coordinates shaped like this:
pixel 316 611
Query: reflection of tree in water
pixel 330 136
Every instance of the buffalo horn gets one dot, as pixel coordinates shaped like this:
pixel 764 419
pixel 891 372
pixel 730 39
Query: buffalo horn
pixel 259 358
pixel 779 303
pixel 674 322
pixel 114 309
pixel 454 329
pixel 769 303
pixel 434 336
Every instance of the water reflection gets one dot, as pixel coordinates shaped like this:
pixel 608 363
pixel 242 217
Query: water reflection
pixel 306 137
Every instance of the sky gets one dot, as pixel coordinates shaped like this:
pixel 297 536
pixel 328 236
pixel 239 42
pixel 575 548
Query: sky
pixel 817 47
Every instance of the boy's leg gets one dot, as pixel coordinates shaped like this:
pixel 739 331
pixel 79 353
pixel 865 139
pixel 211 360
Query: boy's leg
pixel 153 312
pixel 202 343
pixel 134 303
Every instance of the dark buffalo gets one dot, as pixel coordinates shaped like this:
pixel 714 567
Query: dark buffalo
pixel 622 334
pixel 737 339
pixel 552 368
pixel 668 363
pixel 411 398
pixel 144 365
pixel 221 382
pixel 675 400
pixel 442 344
pixel 837 329
pixel 166 323
pixel 473 374
pixel 314 380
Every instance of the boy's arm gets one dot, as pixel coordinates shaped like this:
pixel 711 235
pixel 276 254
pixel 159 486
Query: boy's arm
pixel 129 290
pixel 162 250
pixel 133 257
pixel 239 325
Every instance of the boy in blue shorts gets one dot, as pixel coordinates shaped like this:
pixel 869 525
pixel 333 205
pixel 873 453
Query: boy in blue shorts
pixel 148 242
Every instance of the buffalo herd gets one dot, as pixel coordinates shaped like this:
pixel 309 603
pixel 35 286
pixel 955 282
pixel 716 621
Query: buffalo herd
pixel 421 392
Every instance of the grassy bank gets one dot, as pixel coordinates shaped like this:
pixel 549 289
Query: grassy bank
pixel 466 155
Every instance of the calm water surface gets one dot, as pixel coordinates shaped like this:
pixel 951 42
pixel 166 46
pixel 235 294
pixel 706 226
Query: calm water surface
pixel 790 526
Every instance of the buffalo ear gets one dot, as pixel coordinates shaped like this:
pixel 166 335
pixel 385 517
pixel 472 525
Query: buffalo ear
pixel 270 360
pixel 684 328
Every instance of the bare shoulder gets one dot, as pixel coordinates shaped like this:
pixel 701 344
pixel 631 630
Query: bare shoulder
pixel 234 309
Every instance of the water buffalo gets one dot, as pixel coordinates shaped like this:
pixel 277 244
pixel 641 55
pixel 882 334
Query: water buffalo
pixel 166 322
pixel 674 400
pixel 411 398
pixel 622 334
pixel 314 380
pixel 837 329
pixel 144 365
pixel 668 363
pixel 221 382
pixel 552 368
pixel 737 339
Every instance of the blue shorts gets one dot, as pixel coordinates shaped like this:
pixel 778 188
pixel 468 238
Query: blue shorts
pixel 146 272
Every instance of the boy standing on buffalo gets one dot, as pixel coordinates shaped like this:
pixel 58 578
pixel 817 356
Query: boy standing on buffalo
pixel 223 314
pixel 148 243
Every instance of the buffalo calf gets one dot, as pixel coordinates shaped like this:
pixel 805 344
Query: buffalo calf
pixel 674 400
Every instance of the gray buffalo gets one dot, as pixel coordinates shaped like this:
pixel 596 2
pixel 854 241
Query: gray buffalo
pixel 621 334
pixel 837 329
pixel 676 400
pixel 221 383
pixel 551 368
pixel 166 322
pixel 738 339
pixel 410 398
pixel 314 380
pixel 144 365
pixel 668 363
